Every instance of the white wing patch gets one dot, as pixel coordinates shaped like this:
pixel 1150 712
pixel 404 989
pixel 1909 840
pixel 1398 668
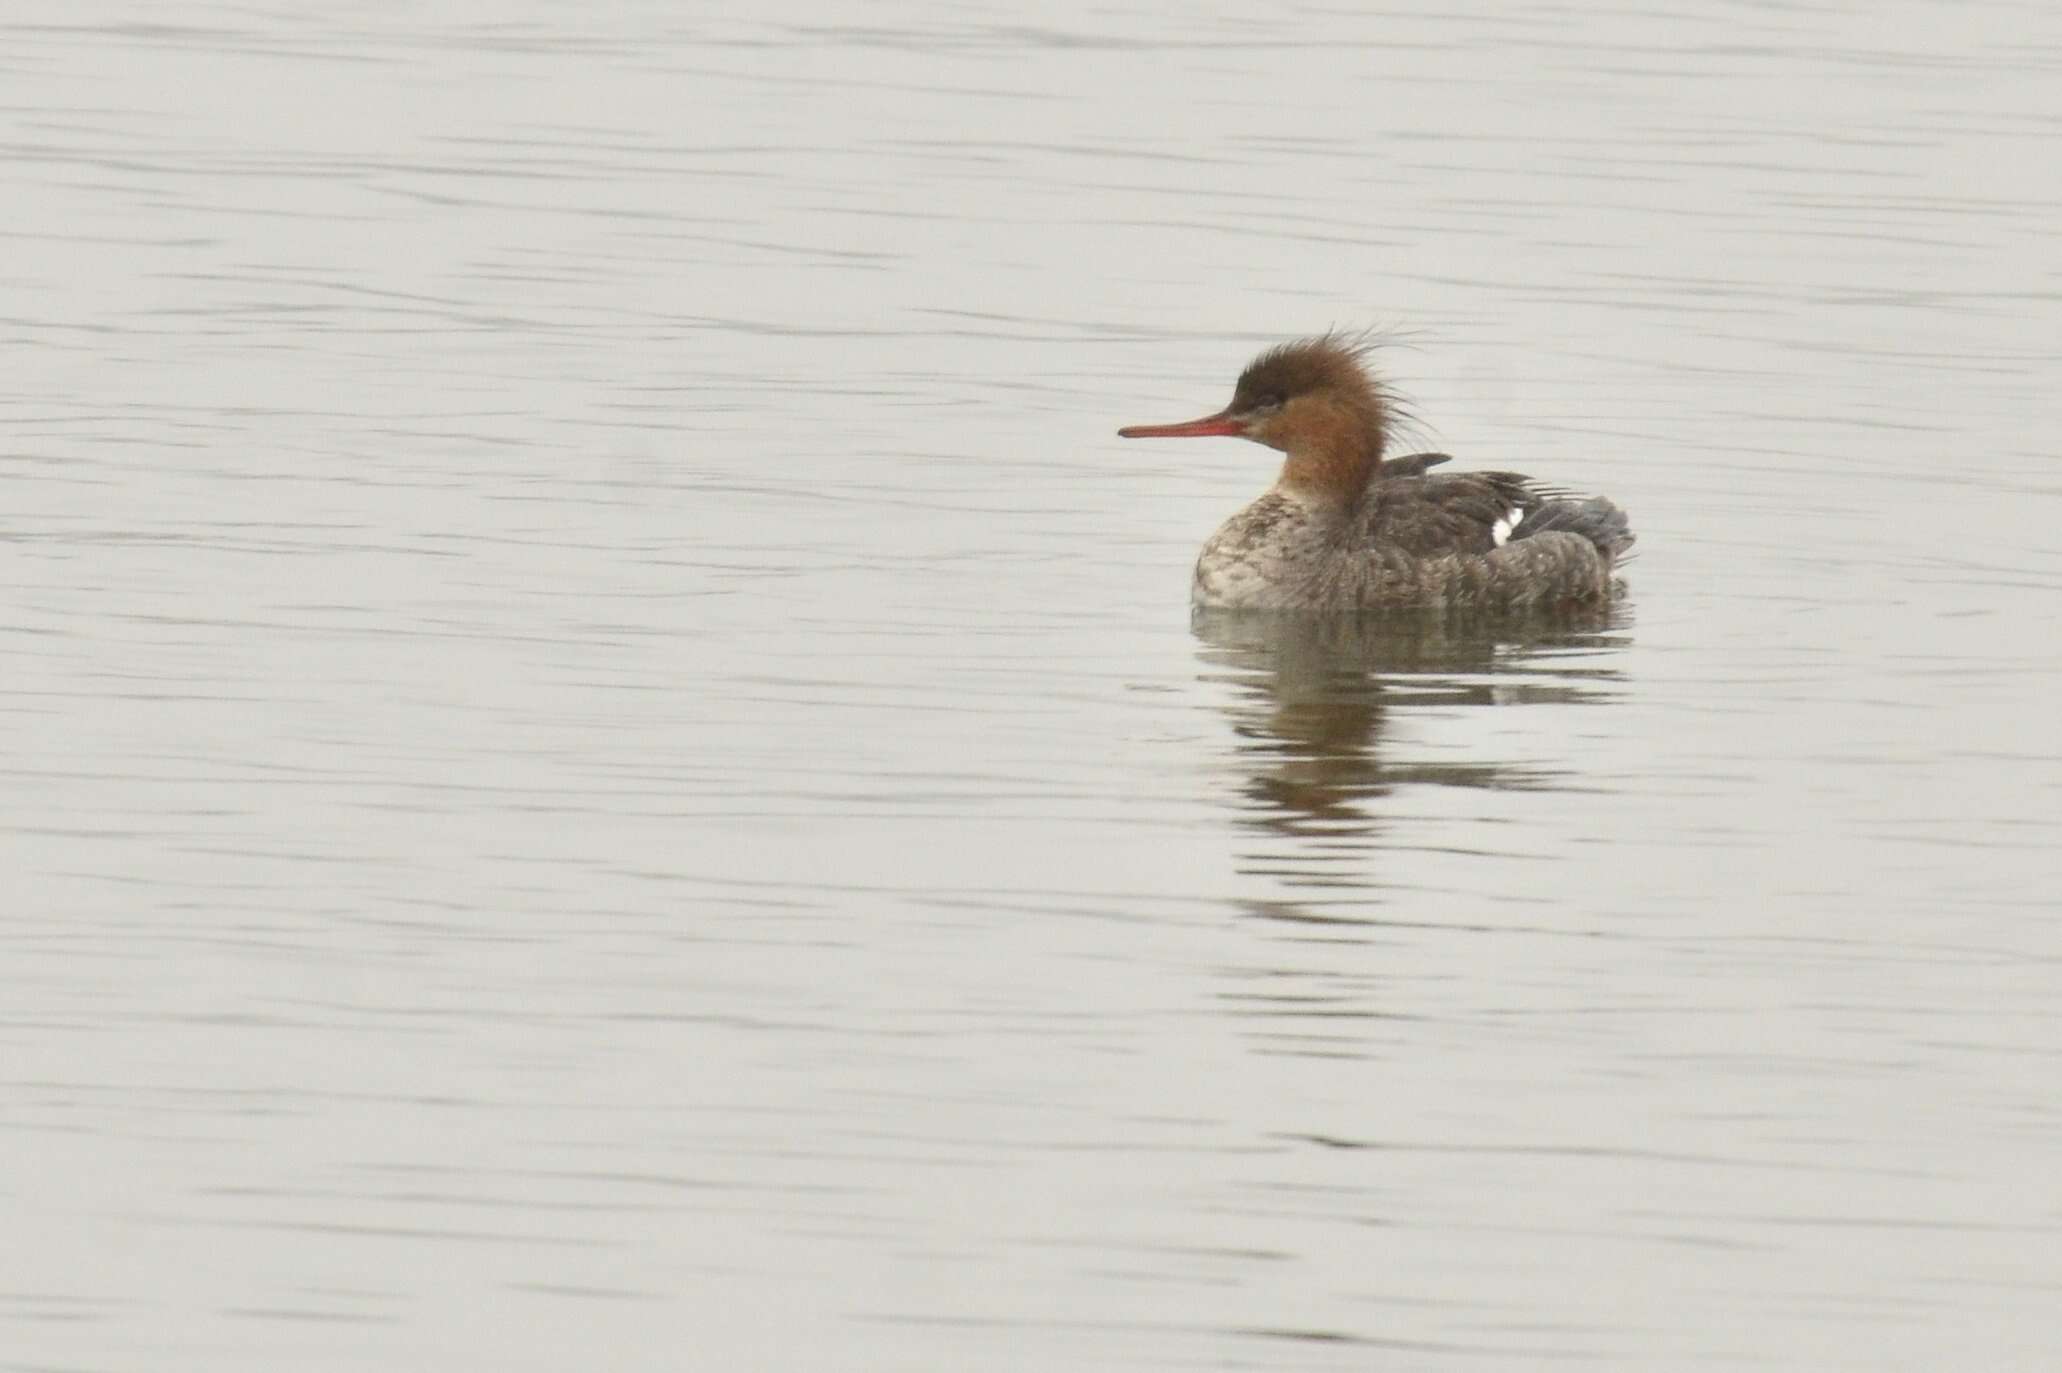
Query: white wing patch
pixel 1500 532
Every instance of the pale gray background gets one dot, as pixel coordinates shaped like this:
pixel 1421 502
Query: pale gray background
pixel 607 768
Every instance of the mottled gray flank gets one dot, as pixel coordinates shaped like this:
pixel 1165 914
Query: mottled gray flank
pixel 1413 543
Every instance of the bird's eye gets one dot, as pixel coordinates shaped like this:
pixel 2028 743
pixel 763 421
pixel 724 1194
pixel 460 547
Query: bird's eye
pixel 1271 401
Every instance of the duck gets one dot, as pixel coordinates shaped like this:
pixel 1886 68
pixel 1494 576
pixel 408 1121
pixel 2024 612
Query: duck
pixel 1344 530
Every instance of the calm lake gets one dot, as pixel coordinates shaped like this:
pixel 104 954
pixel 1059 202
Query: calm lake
pixel 609 768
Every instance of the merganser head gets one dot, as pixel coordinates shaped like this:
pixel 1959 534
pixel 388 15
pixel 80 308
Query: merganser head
pixel 1311 399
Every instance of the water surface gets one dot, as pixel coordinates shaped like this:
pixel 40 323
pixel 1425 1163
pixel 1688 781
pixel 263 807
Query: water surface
pixel 610 767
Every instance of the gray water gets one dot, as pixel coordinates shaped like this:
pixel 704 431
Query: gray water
pixel 608 765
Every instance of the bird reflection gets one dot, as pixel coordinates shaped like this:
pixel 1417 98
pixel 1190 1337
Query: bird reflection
pixel 1314 695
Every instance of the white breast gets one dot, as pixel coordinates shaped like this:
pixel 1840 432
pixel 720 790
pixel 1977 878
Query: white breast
pixel 1232 583
pixel 1258 558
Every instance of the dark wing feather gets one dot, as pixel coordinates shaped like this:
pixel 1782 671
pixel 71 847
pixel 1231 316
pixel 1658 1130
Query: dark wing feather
pixel 1410 465
pixel 1432 517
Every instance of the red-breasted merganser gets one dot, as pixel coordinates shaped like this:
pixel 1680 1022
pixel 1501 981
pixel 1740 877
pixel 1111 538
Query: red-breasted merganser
pixel 1343 530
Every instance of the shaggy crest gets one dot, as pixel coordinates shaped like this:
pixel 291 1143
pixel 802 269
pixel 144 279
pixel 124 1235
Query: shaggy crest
pixel 1334 362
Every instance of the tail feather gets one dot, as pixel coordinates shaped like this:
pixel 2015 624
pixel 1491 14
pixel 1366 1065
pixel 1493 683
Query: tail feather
pixel 1595 518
